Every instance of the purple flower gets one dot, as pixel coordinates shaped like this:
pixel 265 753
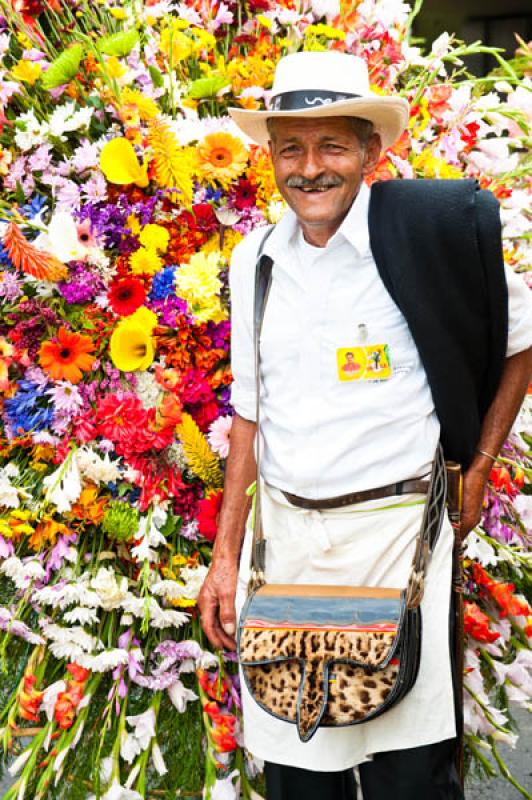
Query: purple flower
pixel 83 284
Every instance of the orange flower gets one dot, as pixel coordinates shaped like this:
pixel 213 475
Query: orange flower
pixel 29 699
pixel 68 356
pixel 89 507
pixel 221 157
pixel 476 624
pixel 46 533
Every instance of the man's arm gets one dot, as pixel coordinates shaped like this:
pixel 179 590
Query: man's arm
pixel 497 423
pixel 217 597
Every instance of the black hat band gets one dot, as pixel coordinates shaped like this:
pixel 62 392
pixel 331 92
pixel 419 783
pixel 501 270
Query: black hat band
pixel 297 101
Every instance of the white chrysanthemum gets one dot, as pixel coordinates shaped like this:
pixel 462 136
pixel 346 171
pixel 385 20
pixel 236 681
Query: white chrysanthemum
pixel 95 468
pixel 30 132
pixel 67 595
pixel 74 635
pixel 171 590
pixel 110 590
pixel 21 573
pixel 193 577
pixel 166 617
pixel 85 616
pixel 105 661
pixel 65 119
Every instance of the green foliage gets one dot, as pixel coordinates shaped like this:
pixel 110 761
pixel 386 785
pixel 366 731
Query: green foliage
pixel 63 68
pixel 207 87
pixel 118 44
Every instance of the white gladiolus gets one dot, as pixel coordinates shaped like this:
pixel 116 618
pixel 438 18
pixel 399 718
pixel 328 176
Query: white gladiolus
pixel 158 760
pixel 63 487
pixel 180 696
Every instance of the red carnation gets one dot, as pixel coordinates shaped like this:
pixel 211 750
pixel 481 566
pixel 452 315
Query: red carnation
pixel 126 295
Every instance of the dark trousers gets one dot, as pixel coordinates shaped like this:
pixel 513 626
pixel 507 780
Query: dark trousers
pixel 421 773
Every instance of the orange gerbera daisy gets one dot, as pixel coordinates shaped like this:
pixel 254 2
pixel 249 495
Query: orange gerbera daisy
pixel 221 157
pixel 67 356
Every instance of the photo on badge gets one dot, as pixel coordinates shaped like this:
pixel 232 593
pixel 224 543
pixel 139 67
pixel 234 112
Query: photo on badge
pixel 370 362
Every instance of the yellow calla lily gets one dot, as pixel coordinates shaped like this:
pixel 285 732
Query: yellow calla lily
pixel 119 163
pixel 131 347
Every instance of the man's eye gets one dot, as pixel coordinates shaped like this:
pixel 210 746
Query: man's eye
pixel 333 148
pixel 289 150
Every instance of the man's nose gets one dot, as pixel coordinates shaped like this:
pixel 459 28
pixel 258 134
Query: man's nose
pixel 311 164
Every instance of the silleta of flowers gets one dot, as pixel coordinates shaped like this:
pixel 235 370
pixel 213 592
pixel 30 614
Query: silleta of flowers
pixel 125 187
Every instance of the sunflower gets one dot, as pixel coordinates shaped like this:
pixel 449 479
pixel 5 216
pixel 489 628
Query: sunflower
pixel 221 157
pixel 126 295
pixel 68 356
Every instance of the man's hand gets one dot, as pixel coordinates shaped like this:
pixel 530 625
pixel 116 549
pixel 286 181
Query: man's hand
pixel 475 480
pixel 216 603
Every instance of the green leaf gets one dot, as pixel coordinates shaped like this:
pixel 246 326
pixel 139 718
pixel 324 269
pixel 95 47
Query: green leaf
pixel 119 44
pixel 63 68
pixel 19 194
pixel 156 77
pixel 207 87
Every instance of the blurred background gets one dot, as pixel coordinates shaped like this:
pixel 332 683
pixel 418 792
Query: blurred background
pixel 494 22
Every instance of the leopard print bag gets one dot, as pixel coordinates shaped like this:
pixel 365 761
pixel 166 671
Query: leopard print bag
pixel 330 655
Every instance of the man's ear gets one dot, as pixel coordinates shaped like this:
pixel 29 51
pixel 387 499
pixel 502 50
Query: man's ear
pixel 372 154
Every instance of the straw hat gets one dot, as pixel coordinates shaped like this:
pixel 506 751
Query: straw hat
pixel 325 84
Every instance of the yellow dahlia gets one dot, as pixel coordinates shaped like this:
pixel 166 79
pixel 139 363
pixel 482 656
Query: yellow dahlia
pixel 221 157
pixel 155 237
pixel 145 261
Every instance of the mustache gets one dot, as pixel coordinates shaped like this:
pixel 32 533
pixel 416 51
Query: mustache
pixel 321 182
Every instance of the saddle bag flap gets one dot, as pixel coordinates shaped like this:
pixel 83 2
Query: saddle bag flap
pixel 318 626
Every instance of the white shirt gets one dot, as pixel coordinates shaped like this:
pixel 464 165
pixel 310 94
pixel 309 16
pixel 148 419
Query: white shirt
pixel 322 436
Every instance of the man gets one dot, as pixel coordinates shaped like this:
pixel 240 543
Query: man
pixel 324 437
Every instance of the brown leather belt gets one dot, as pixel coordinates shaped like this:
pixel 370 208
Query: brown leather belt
pixel 413 486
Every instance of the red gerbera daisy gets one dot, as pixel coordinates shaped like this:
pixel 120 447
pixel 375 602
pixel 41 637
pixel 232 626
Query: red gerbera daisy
pixel 126 295
pixel 244 195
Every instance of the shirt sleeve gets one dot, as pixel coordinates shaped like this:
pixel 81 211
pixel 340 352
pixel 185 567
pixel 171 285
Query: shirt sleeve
pixel 519 314
pixel 241 285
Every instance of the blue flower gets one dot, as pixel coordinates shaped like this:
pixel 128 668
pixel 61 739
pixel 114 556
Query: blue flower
pixel 162 284
pixel 28 410
pixel 34 207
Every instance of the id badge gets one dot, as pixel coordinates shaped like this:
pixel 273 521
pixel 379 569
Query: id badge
pixel 369 362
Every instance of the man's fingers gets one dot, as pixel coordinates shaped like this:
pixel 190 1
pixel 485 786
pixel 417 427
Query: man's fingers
pixel 218 619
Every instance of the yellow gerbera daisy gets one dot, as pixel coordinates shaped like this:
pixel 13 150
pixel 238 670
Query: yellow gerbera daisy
pixel 146 107
pixel 145 261
pixel 221 157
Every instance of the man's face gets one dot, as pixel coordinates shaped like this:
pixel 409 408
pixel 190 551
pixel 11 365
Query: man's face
pixel 319 165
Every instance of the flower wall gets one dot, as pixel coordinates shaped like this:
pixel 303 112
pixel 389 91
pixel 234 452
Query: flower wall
pixel 125 187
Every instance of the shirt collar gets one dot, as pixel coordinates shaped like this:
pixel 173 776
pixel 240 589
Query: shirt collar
pixel 354 229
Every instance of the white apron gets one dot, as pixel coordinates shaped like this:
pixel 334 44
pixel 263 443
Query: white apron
pixel 369 544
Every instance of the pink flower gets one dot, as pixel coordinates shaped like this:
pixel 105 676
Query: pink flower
pixel 219 435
